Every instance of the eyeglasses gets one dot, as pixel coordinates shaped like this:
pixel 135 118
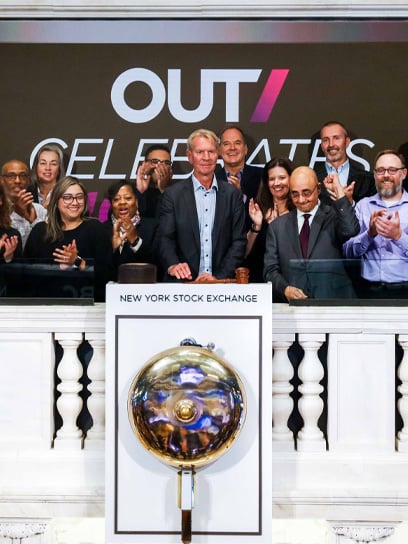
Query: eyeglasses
pixel 68 198
pixel 12 176
pixel 158 161
pixel 392 170
pixel 307 193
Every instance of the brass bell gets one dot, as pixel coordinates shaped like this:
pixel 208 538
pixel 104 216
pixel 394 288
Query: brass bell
pixel 187 406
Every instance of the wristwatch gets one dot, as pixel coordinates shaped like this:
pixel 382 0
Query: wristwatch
pixel 77 262
pixel 254 229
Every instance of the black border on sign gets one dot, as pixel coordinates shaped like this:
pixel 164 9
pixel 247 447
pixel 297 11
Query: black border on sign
pixel 189 317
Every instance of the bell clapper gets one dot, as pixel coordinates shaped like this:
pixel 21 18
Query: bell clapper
pixel 186 485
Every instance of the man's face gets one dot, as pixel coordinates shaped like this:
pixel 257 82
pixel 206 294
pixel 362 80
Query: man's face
pixel 16 176
pixel 233 149
pixel 203 156
pixel 304 189
pixel 389 174
pixel 159 159
pixel 334 143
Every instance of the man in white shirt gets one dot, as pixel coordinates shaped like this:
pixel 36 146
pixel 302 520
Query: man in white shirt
pixel 26 213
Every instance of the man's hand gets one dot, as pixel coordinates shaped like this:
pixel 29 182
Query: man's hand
pixel 294 293
pixel 372 227
pixel 181 271
pixel 143 176
pixel 235 181
pixel 205 276
pixel 164 175
pixel 388 225
pixel 334 188
pixel 23 205
pixel 349 190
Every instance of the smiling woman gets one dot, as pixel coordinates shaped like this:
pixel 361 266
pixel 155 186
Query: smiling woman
pixel 131 235
pixel 70 238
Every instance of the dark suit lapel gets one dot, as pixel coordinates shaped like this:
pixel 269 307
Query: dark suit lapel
pixel 219 215
pixel 316 227
pixel 293 234
pixel 190 209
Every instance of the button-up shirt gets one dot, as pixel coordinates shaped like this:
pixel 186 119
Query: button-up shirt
pixel 383 259
pixel 206 200
pixel 342 171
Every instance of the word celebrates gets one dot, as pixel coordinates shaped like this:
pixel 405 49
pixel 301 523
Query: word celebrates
pixel 232 79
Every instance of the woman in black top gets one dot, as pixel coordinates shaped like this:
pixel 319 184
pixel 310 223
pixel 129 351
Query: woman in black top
pixel 71 239
pixel 131 235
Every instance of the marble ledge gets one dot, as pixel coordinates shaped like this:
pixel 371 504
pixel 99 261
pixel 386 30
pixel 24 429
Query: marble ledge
pixel 193 9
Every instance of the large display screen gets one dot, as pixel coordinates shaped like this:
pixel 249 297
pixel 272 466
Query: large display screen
pixel 106 90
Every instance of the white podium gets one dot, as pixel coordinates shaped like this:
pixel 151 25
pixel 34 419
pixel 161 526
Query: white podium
pixel 233 499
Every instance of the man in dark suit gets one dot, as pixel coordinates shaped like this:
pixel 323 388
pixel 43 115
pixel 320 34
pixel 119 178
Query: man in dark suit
pixel 357 182
pixel 233 150
pixel 201 233
pixel 318 271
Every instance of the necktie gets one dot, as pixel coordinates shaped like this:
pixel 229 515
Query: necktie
pixel 304 234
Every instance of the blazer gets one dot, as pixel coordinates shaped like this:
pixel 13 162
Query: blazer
pixel 250 180
pixel 323 274
pixel 178 236
pixel 364 186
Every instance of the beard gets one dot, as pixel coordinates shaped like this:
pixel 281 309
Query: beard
pixel 389 191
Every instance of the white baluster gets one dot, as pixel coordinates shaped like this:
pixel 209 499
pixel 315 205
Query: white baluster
pixel 282 402
pixel 69 404
pixel 96 402
pixel 310 437
pixel 402 437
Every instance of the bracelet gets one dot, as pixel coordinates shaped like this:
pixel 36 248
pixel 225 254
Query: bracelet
pixel 253 229
pixel 135 242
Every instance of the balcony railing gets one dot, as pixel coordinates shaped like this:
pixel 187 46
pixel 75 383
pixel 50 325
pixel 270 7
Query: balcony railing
pixel 340 412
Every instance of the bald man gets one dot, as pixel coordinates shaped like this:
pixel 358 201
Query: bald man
pixel 318 272
pixel 26 213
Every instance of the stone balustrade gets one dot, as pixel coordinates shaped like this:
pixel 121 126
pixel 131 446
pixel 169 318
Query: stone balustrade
pixel 340 414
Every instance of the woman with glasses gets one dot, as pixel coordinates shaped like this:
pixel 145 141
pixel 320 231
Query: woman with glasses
pixel 48 168
pixel 131 235
pixel 271 201
pixel 74 241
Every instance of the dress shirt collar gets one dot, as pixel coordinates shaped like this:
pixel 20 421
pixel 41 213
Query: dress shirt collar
pixel 199 187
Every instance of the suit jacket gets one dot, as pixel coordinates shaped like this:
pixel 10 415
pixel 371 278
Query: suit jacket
pixel 323 273
pixel 364 186
pixel 250 180
pixel 178 237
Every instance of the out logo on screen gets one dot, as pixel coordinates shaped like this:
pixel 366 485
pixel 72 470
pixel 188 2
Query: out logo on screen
pixel 231 78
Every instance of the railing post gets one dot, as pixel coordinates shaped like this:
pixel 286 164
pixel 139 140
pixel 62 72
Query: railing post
pixel 402 437
pixel 282 402
pixel 310 437
pixel 69 404
pixel 96 402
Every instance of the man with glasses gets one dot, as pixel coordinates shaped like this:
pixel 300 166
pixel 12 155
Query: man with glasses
pixel 303 257
pixel 25 212
pixel 382 243
pixel 153 176
pixel 357 182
